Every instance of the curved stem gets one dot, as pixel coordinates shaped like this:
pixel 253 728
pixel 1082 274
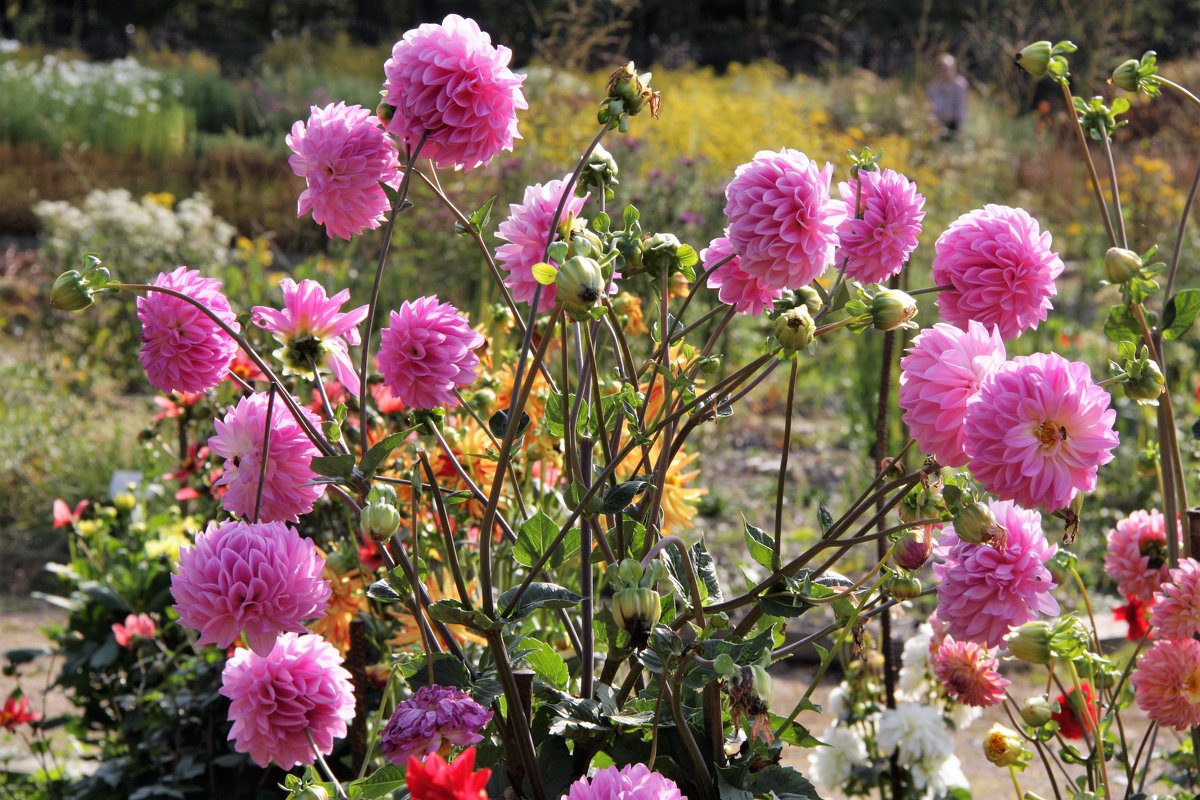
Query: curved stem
pixel 1091 165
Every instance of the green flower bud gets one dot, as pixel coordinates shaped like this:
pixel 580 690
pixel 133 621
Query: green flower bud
pixel 1121 265
pixel 485 398
pixel 892 309
pixel 580 283
pixel 629 572
pixel 636 611
pixel 1037 711
pixel 975 523
pixel 1035 58
pixel 125 501
pixel 794 329
pixel 1147 385
pixel 629 245
pixel 385 113
pixel 1030 642
pixel 70 292
pixel 725 666
pixel 632 90
pixel 810 298
pixel 313 792
pixel 1125 76
pixel 1003 746
pixel 600 171
pixel 382 493
pixel 904 588
pixel 660 252
pixel 379 521
pixel 764 690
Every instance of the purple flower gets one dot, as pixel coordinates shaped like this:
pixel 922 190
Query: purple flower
pixel 431 721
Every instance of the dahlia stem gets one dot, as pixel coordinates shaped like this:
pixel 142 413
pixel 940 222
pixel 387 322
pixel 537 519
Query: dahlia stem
pixel 1016 783
pixel 929 290
pixel 1087 603
pixel 444 523
pixel 1173 270
pixel 1091 165
pixel 266 452
pixel 703 776
pixel 777 550
pixel 689 570
pixel 1116 191
pixel 337 785
pixel 418 613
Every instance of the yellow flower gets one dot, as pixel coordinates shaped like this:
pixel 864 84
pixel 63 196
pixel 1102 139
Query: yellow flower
pixel 164 199
pixel 348 600
pixel 679 498
pixel 172 537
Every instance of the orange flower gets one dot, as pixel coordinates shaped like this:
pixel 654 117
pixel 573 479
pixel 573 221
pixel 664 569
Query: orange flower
pixel 679 498
pixel 410 634
pixel 348 600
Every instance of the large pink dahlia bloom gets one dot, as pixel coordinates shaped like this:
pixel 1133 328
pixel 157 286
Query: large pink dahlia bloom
pixel 939 377
pixel 877 244
pixel 278 700
pixel 261 579
pixel 1000 267
pixel 450 85
pixel 782 221
pixel 431 721
pixel 1137 554
pixel 968 672
pixel 1176 612
pixel 1039 430
pixel 735 287
pixel 239 440
pixel 1167 683
pixel 344 156
pixel 983 590
pixel 631 782
pixel 426 352
pixel 182 349
pixel 527 232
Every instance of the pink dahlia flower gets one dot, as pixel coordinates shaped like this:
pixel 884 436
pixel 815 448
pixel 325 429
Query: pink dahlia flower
pixel 450 85
pixel 137 626
pixel 425 353
pixel 939 378
pixel 258 579
pixel 631 782
pixel 313 330
pixel 968 671
pixel 527 231
pixel 1176 612
pixel 734 286
pixel 984 590
pixel 433 720
pixel 1167 683
pixel 1137 554
pixel 1001 268
pixel 343 155
pixel 239 440
pixel 182 349
pixel 280 699
pixel 782 221
pixel 877 244
pixel 1039 430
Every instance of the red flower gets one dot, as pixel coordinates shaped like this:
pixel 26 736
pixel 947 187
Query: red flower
pixel 64 516
pixel 244 368
pixel 1137 615
pixel 434 779
pixel 193 464
pixel 173 405
pixel 1069 715
pixel 15 711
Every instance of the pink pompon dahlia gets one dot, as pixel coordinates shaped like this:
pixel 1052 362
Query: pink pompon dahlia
pixel 1039 431
pixel 939 378
pixel 1167 683
pixel 433 720
pixel 314 330
pixel 968 672
pixel 426 352
pixel 983 590
pixel 286 492
pixel 183 350
pixel 1000 268
pixel 258 579
pixel 876 242
pixel 299 689
pixel 136 626
pixel 344 156
pixel 1176 612
pixel 450 86
pixel 734 286
pixel 527 232
pixel 1137 554
pixel 631 782
pixel 782 221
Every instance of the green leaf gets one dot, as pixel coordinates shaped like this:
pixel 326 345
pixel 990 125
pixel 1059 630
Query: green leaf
pixel 601 222
pixel 706 571
pixel 760 545
pixel 498 424
pixel 479 218
pixel 538 595
pixel 333 466
pixel 381 783
pixel 546 663
pixel 534 538
pixel 686 255
pixel 447 671
pixel 451 612
pixel 556 414
pixel 618 498
pixel 383 591
pixel 1120 325
pixel 1180 313
pixel 376 455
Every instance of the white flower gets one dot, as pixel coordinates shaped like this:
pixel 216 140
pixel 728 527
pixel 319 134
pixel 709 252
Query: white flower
pixel 963 715
pixel 937 777
pixel 914 661
pixel 915 733
pixel 832 766
pixel 835 704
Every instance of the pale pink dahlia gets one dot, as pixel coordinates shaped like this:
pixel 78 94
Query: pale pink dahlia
pixel 1137 554
pixel 136 626
pixel 968 672
pixel 1001 268
pixel 877 242
pixel 782 221
pixel 449 84
pixel 1167 683
pixel 527 232
pixel 313 330
pixel 1039 430
pixel 344 156
pixel 631 782
pixel 939 377
pixel 280 699
pixel 983 590
pixel 258 579
pixel 425 353
pixel 433 720
pixel 1176 612
pixel 239 440
pixel 182 349
pixel 734 286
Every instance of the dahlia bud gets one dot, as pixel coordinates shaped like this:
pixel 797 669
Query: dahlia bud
pixel 70 292
pixel 892 309
pixel 125 501
pixel 1146 386
pixel 725 666
pixel 1121 265
pixel 382 493
pixel 975 523
pixel 904 588
pixel 311 792
pixel 1030 642
pixel 580 283
pixel 1125 76
pixel 794 329
pixel 385 113
pixel 600 172
pixel 1037 711
pixel 1035 58
pixel 660 252
pixel 636 611
pixel 764 690
pixel 629 572
pixel 1003 746
pixel 913 549
pixel 379 521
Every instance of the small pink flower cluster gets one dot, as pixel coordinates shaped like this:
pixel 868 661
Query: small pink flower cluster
pixel 136 626
pixel 1167 678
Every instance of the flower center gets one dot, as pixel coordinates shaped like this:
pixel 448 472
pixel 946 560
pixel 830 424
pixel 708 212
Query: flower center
pixel 1051 434
pixel 1191 687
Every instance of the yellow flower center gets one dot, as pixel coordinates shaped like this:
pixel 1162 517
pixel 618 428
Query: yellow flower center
pixel 1051 433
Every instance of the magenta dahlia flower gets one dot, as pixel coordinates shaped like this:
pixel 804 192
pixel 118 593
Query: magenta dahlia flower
pixel 344 156
pixel 968 672
pixel 939 377
pixel 182 349
pixel 313 330
pixel 1039 430
pixel 450 85
pixel 1167 683
pixel 433 720
pixel 1176 611
pixel 876 242
pixel 983 590
pixel 631 782
pixel 734 286
pixel 258 579
pixel 286 493
pixel 1000 267
pixel 299 689
pixel 1137 554
pixel 782 221
pixel 527 232
pixel 425 353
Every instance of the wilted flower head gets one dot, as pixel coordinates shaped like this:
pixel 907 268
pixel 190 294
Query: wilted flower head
pixel 1003 746
pixel 431 721
pixel 877 245
pixel 631 782
pixel 182 349
pixel 135 626
pixel 1176 612
pixel 1137 554
pixel 425 353
pixel 527 232
pixel 968 672
pixel 1167 683
pixel 735 287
